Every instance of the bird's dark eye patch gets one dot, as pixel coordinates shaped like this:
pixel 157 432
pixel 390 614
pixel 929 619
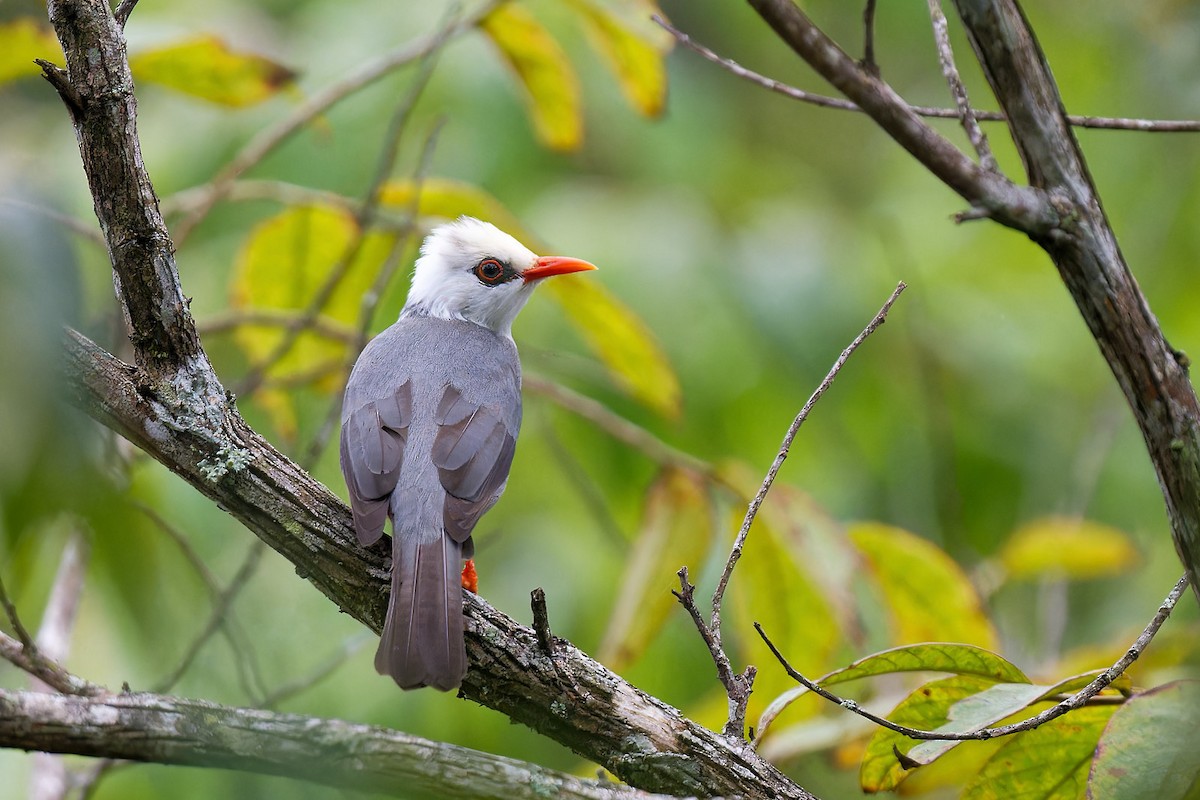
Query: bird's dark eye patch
pixel 491 271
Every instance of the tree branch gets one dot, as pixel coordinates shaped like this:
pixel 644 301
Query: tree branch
pixel 1089 260
pixel 171 730
pixel 566 696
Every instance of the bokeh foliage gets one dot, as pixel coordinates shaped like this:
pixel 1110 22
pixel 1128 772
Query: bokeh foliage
pixel 973 476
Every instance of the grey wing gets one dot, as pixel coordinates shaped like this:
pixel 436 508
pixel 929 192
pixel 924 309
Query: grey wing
pixel 373 438
pixel 473 451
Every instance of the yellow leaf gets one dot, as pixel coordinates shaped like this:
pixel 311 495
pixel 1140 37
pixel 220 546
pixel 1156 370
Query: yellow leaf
pixel 21 41
pixel 449 199
pixel 204 67
pixel 551 86
pixel 282 265
pixel 622 341
pixel 611 330
pixel 1068 547
pixel 772 586
pixel 676 531
pixel 926 594
pixel 635 58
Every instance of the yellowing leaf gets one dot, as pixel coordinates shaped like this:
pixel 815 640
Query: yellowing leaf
pixel 622 341
pixel 450 199
pixel 283 264
pixel 1149 747
pixel 1068 547
pixel 551 86
pixel 926 594
pixel 617 336
pixel 636 59
pixel 772 586
pixel 204 67
pixel 960 659
pixel 676 531
pixel 927 708
pixel 1047 763
pixel 21 41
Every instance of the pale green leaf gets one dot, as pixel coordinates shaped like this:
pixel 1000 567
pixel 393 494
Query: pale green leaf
pixel 959 659
pixel 676 531
pixel 978 712
pixel 636 57
pixel 927 708
pixel 1047 763
pixel 926 594
pixel 205 67
pixel 550 84
pixel 21 41
pixel 1148 751
pixel 1068 547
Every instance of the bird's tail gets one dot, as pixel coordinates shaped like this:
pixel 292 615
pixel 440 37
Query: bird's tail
pixel 422 642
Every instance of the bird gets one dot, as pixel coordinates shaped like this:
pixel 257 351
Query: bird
pixel 429 425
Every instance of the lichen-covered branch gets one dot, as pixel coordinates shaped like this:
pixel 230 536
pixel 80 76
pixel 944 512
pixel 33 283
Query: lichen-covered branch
pixel 172 730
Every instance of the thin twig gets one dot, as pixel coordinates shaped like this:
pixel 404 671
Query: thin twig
pixel 370 300
pixel 824 101
pixel 289 690
pixel 48 672
pixel 1073 702
pixel 265 143
pixel 541 621
pixel 275 318
pixel 869 63
pixel 249 674
pixel 619 428
pixel 217 615
pixel 966 115
pixel 365 215
pixel 124 9
pixel 793 429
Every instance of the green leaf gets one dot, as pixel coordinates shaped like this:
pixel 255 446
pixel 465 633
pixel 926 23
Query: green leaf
pixel 927 595
pixel 551 86
pixel 676 531
pixel 960 659
pixel 1047 763
pixel 617 336
pixel 978 712
pixel 927 708
pixel 1069 547
pixel 205 67
pixel 635 57
pixel 21 41
pixel 1149 748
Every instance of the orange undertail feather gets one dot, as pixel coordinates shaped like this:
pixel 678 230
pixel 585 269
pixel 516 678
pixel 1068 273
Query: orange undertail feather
pixel 470 579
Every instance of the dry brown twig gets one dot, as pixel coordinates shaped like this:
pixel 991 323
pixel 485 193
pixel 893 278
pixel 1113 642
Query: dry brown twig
pixel 738 685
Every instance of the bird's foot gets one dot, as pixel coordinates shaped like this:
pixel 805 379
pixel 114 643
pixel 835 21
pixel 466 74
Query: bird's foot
pixel 470 579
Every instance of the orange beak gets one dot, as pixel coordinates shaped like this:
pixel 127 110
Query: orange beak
pixel 555 265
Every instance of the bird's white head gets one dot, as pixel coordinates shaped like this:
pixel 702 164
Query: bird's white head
pixel 471 270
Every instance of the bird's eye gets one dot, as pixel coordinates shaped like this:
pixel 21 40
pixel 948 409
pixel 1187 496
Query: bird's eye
pixel 489 271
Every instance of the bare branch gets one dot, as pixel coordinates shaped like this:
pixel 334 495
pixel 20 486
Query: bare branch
pixel 541 621
pixel 45 670
pixel 868 61
pixel 824 101
pixel 958 91
pixel 170 730
pixel 752 511
pixel 1077 700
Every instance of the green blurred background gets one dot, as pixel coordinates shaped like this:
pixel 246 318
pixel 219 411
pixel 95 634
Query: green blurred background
pixel 753 235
